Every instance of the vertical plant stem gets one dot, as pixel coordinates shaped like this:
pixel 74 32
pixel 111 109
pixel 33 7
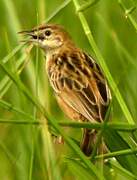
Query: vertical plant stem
pixel 34 128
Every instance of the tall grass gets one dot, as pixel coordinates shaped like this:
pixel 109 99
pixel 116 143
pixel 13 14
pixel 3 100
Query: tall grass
pixel 29 112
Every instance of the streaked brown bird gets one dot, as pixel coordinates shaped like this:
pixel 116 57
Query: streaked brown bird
pixel 79 84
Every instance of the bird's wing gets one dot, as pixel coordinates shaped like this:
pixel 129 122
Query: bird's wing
pixel 81 84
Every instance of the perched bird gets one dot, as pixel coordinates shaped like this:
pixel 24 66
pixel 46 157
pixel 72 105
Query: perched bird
pixel 77 80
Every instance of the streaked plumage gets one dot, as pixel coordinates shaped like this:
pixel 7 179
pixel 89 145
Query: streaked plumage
pixel 79 84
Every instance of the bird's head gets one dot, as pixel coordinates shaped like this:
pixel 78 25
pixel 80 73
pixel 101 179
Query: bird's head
pixel 48 37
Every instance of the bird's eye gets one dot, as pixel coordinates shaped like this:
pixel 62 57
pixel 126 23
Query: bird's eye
pixel 47 32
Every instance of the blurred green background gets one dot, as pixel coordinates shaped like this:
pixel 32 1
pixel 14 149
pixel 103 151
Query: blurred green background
pixel 26 151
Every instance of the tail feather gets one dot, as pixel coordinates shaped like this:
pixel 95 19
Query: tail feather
pixel 88 142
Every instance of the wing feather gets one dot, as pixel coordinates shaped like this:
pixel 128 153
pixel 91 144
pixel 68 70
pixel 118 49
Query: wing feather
pixel 82 85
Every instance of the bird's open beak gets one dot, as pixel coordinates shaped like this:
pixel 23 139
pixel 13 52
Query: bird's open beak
pixel 31 36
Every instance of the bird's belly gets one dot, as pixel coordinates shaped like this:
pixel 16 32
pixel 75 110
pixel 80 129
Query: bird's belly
pixel 69 111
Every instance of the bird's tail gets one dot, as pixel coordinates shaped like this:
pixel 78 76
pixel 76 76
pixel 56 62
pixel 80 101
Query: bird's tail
pixel 88 142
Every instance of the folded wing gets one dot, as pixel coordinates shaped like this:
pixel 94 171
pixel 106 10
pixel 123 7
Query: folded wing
pixel 79 81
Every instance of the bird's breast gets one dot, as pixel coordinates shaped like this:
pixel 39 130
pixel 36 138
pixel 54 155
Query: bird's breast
pixel 53 65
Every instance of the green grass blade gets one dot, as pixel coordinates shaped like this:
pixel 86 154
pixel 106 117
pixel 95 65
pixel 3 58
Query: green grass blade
pixel 57 11
pixel 49 155
pixel 121 170
pixel 117 153
pixel 78 170
pixel 120 46
pixel 116 143
pixel 128 13
pixel 10 107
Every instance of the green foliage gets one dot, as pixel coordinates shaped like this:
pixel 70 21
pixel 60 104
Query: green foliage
pixel 29 112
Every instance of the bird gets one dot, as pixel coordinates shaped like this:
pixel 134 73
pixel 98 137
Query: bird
pixel 79 84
